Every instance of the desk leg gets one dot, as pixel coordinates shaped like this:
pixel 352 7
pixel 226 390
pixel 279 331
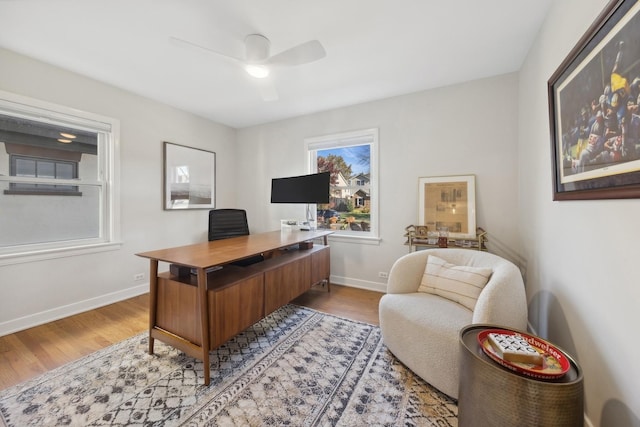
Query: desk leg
pixel 153 300
pixel 203 308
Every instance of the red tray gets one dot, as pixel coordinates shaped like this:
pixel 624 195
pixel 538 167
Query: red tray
pixel 555 363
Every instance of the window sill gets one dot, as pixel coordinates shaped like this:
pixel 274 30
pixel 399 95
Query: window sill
pixel 44 254
pixel 42 193
pixel 361 240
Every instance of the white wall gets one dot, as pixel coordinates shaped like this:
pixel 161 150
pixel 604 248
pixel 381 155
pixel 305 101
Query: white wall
pixel 40 291
pixel 582 255
pixel 458 130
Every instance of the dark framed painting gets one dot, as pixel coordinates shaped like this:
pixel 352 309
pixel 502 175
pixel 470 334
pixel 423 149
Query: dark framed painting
pixel 594 111
pixel 189 177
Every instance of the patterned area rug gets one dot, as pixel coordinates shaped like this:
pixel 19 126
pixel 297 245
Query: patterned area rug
pixel 296 367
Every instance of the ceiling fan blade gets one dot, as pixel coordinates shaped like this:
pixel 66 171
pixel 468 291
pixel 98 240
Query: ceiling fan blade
pixel 301 54
pixel 198 48
pixel 267 89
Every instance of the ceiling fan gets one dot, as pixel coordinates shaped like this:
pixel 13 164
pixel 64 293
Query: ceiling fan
pixel 258 62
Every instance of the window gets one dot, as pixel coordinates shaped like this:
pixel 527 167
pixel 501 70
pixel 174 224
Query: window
pixel 42 168
pixel 352 160
pixel 48 153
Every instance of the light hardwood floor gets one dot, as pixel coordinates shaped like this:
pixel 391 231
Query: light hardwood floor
pixel 28 353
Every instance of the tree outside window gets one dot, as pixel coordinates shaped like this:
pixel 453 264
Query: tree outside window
pixel 350 159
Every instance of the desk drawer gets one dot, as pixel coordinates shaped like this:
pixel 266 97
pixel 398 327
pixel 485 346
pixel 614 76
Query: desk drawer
pixel 235 303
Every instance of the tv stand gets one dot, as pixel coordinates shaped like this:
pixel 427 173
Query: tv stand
pixel 197 313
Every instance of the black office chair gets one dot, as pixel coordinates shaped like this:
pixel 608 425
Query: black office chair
pixel 226 223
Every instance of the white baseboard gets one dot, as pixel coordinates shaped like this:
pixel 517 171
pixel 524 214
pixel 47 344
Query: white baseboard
pixel 57 313
pixel 51 315
pixel 361 284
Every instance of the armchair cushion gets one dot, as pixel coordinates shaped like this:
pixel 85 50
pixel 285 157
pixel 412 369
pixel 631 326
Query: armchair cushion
pixel 461 284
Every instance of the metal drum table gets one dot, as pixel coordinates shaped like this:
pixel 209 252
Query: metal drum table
pixel 491 395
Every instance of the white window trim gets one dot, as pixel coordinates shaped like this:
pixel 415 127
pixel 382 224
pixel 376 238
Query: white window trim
pixel 364 136
pixel 110 216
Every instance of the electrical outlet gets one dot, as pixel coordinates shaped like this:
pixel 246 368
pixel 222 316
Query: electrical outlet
pixel 138 277
pixel 383 275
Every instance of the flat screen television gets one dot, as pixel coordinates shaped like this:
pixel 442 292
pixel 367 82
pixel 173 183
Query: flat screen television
pixel 313 188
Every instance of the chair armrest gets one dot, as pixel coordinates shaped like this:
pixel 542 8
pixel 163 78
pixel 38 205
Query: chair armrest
pixel 503 300
pixel 406 273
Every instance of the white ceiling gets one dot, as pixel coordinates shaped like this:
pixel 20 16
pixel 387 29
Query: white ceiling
pixel 375 48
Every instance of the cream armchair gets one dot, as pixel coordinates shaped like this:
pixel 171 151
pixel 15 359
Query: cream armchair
pixel 421 329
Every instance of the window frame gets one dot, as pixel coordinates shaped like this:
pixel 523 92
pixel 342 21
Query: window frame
pixel 108 154
pixel 346 139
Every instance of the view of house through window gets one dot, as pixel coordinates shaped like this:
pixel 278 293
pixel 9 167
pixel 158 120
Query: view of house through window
pixel 351 160
pixel 55 177
pixel 42 167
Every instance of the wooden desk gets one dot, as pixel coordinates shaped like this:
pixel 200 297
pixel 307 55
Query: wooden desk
pixel 182 310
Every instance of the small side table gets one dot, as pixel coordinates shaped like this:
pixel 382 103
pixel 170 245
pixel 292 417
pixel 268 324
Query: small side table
pixel 491 395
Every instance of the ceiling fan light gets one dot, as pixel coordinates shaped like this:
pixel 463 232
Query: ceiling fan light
pixel 257 71
pixel 64 141
pixel 67 135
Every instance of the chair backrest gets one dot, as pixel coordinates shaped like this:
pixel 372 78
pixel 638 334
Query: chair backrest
pixel 225 223
pixel 503 299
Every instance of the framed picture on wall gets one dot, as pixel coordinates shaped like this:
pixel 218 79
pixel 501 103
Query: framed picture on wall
pixel 594 113
pixel 448 201
pixel 189 177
